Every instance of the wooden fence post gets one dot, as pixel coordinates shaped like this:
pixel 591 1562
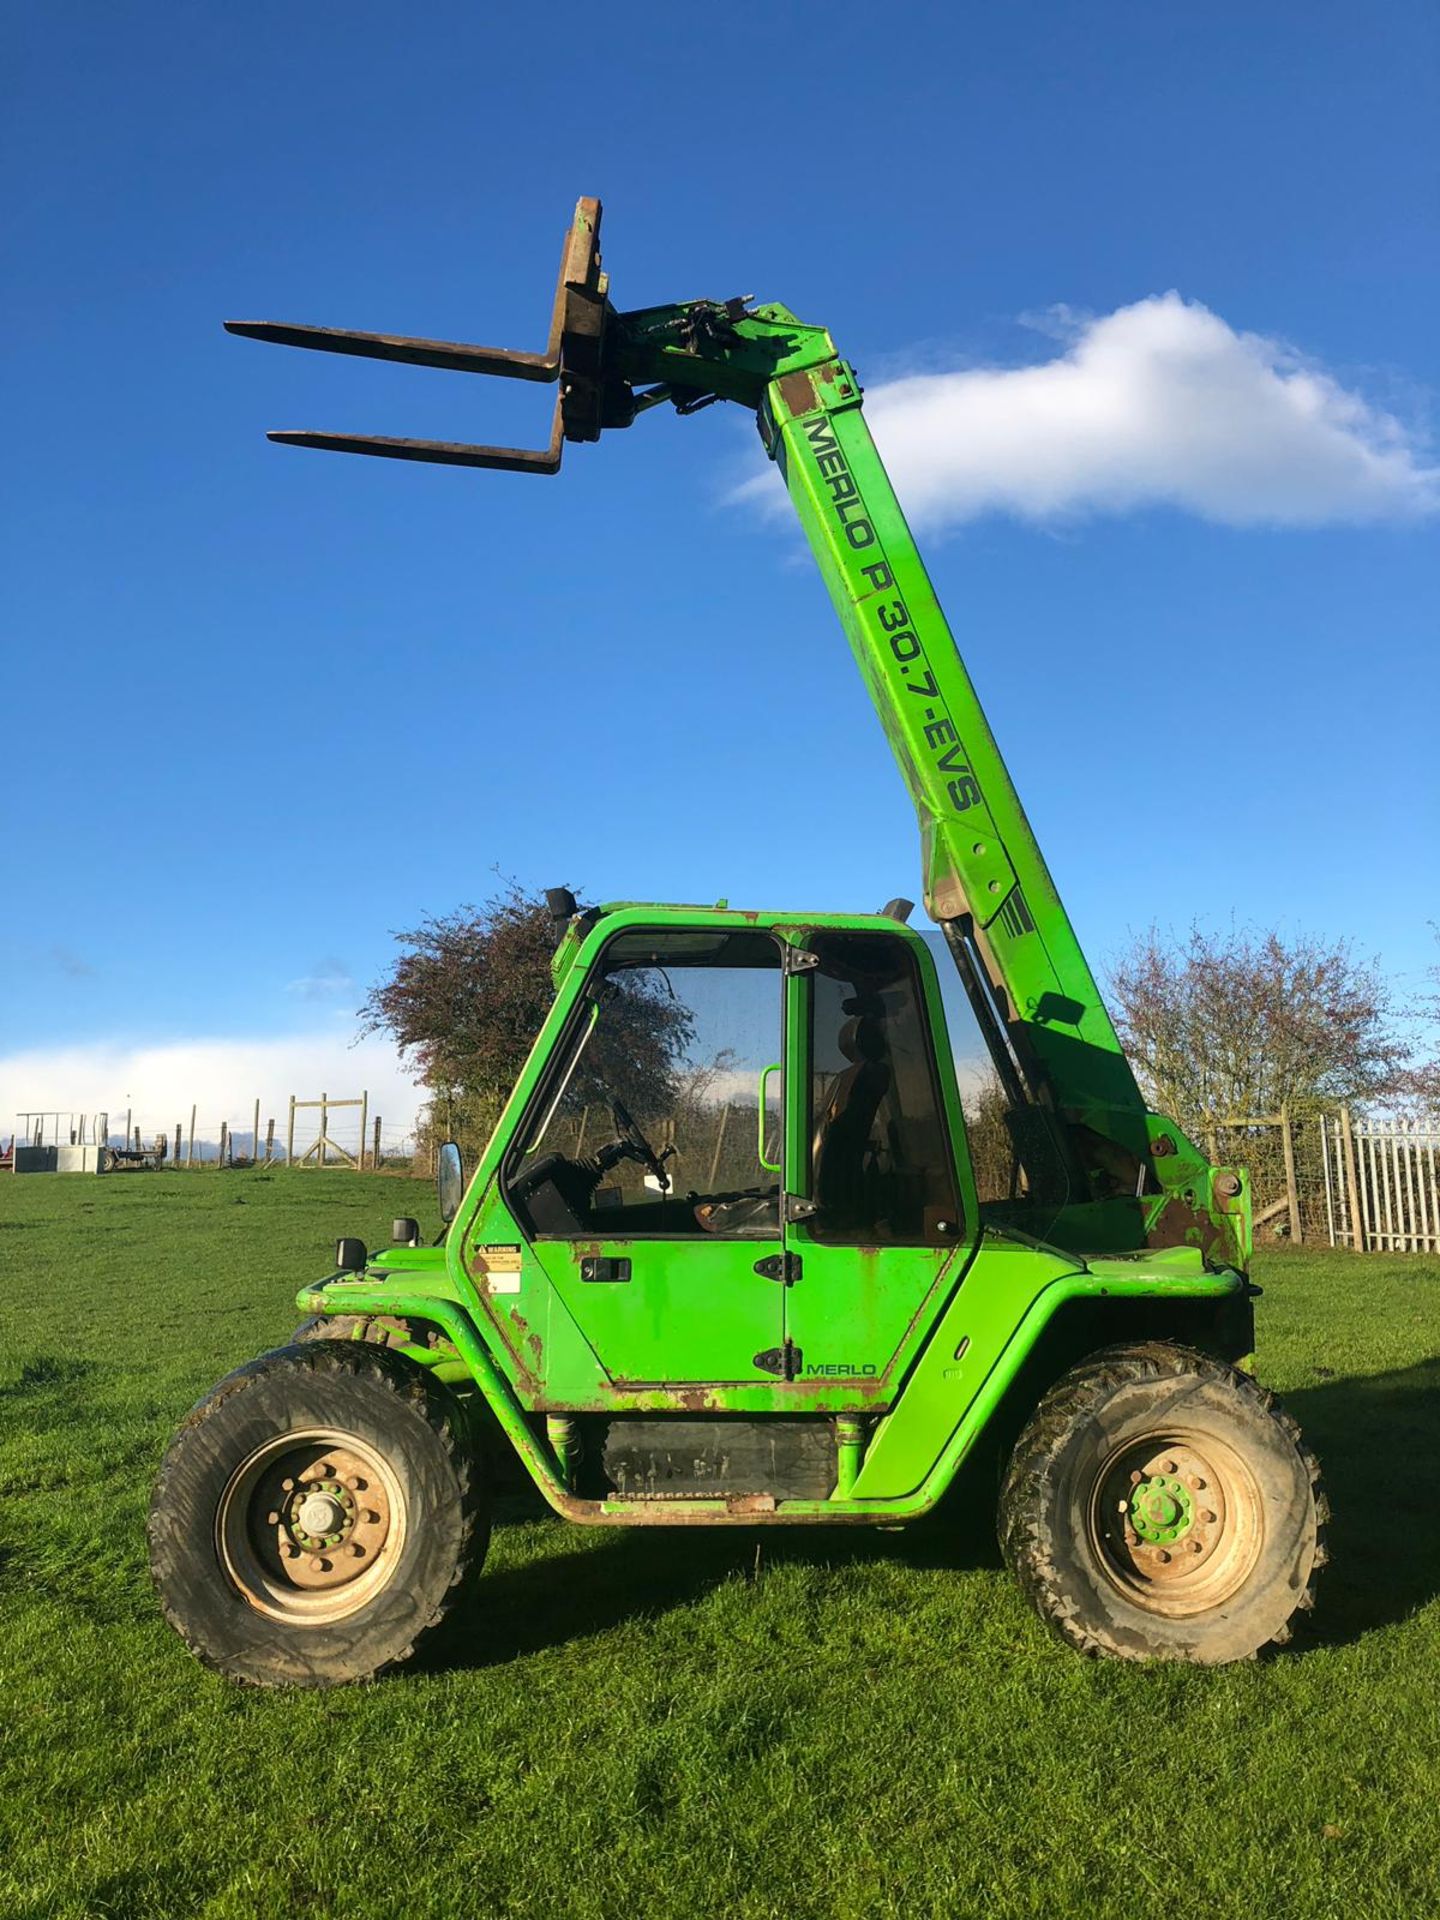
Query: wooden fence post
pixel 364 1110
pixel 269 1139
pixel 290 1135
pixel 177 1143
pixel 1292 1194
pixel 375 1150
pixel 324 1147
pixel 190 1144
pixel 1352 1183
pixel 224 1129
pixel 255 1136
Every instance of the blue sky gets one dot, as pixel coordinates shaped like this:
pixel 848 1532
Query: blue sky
pixel 265 706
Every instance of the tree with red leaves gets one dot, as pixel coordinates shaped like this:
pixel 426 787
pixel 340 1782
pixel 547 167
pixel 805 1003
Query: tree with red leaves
pixel 467 996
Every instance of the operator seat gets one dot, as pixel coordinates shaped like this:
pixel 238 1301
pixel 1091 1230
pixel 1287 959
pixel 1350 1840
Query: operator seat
pixel 842 1132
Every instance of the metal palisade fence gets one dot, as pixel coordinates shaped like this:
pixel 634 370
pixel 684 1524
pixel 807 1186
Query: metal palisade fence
pixel 1382 1183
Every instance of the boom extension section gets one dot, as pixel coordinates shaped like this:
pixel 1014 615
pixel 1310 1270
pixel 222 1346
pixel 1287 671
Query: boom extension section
pixel 1109 1174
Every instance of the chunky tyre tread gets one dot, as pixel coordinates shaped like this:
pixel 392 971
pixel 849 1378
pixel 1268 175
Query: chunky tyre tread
pixel 1071 1400
pixel 414 1389
pixel 377 1330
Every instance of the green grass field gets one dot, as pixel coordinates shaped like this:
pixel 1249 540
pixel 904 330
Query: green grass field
pixel 810 1723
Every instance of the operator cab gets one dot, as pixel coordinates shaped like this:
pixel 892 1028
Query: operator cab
pixel 664 1111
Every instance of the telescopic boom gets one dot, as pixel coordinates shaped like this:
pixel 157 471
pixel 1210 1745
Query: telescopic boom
pixel 1118 1175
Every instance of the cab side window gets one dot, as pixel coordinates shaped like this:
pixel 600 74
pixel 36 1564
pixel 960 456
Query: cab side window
pixel 881 1168
pixel 660 1117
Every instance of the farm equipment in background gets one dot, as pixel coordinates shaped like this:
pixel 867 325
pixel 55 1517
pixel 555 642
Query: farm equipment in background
pixel 813 1313
pixel 136 1159
pixel 61 1141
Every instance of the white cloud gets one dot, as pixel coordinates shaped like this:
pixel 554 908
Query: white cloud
pixel 1157 404
pixel 326 979
pixel 223 1078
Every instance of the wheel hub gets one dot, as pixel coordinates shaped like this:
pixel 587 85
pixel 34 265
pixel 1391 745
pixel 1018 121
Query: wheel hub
pixel 309 1525
pixel 1160 1510
pixel 319 1513
pixel 1166 1526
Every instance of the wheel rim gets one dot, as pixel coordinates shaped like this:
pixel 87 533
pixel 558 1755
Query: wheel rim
pixel 311 1525
pixel 1176 1522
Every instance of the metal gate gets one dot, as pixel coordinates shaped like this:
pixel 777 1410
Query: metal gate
pixel 1382 1184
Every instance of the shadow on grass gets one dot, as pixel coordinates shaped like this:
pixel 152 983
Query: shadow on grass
pixel 1370 1432
pixel 1376 1436
pixel 641 1572
pixel 44 1371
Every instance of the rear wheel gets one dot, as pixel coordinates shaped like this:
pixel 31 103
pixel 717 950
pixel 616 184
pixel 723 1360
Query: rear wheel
pixel 1161 1505
pixel 318 1515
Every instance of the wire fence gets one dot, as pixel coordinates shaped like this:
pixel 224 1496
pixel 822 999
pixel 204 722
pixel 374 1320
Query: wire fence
pixel 305 1133
pixel 1317 1178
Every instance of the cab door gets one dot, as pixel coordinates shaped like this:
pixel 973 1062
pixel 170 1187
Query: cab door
pixel 675 1051
pixel 876 1170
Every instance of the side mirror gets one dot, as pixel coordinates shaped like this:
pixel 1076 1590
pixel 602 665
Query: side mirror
pixel 449 1180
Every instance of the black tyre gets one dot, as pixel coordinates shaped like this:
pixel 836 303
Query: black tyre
pixel 318 1514
pixel 1162 1506
pixel 381 1330
pixel 345 1326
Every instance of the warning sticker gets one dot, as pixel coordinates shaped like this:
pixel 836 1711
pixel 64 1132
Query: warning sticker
pixel 498 1259
pixel 498 1268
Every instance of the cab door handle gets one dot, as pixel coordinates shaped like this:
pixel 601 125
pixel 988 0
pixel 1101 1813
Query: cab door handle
pixel 770 1166
pixel 599 1267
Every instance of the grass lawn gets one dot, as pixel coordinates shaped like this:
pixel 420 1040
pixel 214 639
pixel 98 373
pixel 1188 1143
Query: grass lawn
pixel 808 1723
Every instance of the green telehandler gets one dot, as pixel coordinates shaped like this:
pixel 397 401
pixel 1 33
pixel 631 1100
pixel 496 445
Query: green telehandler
pixel 783 1221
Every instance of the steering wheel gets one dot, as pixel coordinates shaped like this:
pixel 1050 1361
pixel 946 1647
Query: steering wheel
pixel 633 1137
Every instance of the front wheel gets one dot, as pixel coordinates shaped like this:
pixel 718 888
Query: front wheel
pixel 318 1515
pixel 1161 1505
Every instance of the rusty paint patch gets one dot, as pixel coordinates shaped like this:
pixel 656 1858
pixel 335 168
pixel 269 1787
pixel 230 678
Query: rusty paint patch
pixel 1179 1225
pixel 797 390
pixel 697 1399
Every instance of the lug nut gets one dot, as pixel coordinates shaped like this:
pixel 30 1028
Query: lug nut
pixel 1165 1556
pixel 1197 1483
pixel 370 1517
pixel 356 1550
pixel 1136 1478
pixel 1169 1466
pixel 1197 1546
pixel 287 1486
pixel 272 1519
pixel 1207 1518
pixel 325 1469
pixel 290 1550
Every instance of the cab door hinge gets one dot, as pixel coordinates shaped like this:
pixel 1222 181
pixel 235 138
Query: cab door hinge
pixel 785 1361
pixel 784 1267
pixel 799 960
